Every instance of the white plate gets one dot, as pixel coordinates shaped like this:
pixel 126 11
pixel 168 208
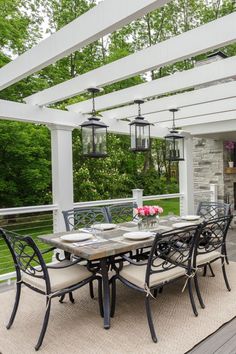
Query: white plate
pixel 82 236
pixel 105 226
pixel 138 235
pixel 191 217
pixel 182 224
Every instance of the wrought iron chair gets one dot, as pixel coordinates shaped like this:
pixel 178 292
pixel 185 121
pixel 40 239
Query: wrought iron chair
pixel 170 258
pixel 212 247
pixel 121 212
pixel 212 210
pixel 84 217
pixel 49 280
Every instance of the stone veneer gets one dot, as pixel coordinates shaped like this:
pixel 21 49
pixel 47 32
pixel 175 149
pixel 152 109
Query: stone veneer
pixel 209 161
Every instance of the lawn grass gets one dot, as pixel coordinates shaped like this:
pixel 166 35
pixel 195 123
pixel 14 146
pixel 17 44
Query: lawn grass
pixel 168 205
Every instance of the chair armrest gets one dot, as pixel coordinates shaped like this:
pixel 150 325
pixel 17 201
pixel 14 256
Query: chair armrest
pixel 48 250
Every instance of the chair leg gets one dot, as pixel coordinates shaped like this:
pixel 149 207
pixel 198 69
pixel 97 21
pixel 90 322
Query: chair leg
pixel 225 276
pixel 91 289
pixel 198 292
pixel 45 324
pixel 100 299
pixel 113 296
pixel 155 292
pixel 210 267
pixel 62 298
pixel 149 317
pixel 190 290
pixel 72 300
pixel 14 311
pixel 204 270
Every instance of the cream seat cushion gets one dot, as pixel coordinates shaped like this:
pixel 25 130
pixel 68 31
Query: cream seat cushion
pixel 136 275
pixel 207 257
pixel 59 278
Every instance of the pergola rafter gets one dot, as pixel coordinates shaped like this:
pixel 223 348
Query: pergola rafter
pixel 199 40
pixel 211 94
pixel 183 80
pixel 84 30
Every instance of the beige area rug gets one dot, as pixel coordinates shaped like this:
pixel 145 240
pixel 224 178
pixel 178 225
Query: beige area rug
pixel 78 328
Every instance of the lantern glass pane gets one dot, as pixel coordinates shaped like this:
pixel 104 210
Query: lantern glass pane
pixel 142 139
pixel 133 136
pixel 175 148
pixel 87 140
pixel 100 140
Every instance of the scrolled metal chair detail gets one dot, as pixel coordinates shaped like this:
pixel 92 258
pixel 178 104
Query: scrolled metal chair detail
pixel 84 217
pixel 212 247
pixel 170 258
pixel 121 212
pixel 51 281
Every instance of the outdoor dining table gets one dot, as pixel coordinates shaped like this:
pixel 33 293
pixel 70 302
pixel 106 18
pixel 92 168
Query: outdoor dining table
pixel 108 244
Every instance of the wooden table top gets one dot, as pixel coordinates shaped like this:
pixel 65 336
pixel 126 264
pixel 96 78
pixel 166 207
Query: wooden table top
pixel 109 243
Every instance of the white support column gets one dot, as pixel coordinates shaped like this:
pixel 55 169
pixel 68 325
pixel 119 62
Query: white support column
pixel 214 192
pixel 138 196
pixel 62 173
pixel 186 186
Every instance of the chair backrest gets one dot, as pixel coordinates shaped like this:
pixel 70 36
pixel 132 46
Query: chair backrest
pixel 84 217
pixel 212 210
pixel 173 249
pixel 214 234
pixel 121 212
pixel 26 256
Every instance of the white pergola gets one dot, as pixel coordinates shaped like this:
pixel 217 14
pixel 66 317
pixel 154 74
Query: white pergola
pixel 204 110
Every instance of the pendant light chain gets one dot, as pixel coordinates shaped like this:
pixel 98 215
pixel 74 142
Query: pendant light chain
pixel 173 126
pixel 93 110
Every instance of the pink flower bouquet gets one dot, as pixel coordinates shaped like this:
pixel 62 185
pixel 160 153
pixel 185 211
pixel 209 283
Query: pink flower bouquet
pixel 149 210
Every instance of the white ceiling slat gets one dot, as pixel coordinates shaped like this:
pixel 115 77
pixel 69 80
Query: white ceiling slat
pixel 202 95
pixel 34 114
pixel 219 127
pixel 191 115
pixel 105 18
pixel 196 41
pixel 208 73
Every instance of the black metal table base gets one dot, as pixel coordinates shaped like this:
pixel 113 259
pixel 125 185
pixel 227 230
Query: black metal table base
pixel 106 292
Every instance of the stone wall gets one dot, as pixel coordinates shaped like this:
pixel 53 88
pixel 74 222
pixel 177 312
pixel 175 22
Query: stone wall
pixel 208 164
pixel 209 161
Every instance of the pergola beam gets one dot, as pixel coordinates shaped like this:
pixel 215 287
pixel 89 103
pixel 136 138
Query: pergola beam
pixel 205 74
pixel 199 40
pixel 34 114
pixel 104 18
pixel 188 99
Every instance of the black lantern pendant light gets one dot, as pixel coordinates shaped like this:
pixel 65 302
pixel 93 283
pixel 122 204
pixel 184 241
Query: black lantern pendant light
pixel 174 142
pixel 140 132
pixel 94 133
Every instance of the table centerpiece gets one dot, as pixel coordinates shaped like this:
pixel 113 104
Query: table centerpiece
pixel 148 216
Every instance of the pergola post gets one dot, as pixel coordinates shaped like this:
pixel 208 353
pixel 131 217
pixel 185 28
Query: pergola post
pixel 186 185
pixel 62 173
